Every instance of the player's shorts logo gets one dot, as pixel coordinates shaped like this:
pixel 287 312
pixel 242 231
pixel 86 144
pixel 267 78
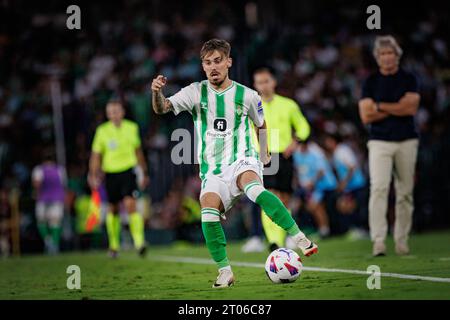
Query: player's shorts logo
pixel 220 124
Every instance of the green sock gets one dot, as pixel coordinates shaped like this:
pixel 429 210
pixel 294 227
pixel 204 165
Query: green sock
pixel 56 235
pixel 276 210
pixel 113 230
pixel 215 238
pixel 137 229
pixel 43 230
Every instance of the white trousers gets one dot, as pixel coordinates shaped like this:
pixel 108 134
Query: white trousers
pixel 386 159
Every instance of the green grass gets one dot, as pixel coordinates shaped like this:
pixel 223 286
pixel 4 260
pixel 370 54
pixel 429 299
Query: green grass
pixel 131 277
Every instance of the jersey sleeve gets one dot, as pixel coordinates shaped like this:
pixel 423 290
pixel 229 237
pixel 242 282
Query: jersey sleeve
pixel 185 99
pixel 136 137
pixel 255 110
pixel 37 174
pixel 299 122
pixel 97 143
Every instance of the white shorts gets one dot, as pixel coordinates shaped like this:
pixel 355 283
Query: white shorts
pixel 50 212
pixel 225 183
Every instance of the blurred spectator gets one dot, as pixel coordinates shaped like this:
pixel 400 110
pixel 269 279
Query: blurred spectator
pixel 5 223
pixel 317 183
pixel 351 190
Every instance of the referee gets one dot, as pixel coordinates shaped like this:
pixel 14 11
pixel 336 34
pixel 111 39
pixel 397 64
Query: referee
pixel 116 151
pixel 283 116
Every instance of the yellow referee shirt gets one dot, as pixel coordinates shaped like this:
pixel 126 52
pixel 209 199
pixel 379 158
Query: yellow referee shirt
pixel 117 145
pixel 284 115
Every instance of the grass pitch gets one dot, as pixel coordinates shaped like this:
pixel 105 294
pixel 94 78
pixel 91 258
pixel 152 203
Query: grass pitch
pixel 132 277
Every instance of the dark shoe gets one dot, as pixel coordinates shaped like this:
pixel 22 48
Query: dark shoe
pixel 273 246
pixel 143 251
pixel 113 254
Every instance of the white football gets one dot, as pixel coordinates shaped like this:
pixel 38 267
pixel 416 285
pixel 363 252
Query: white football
pixel 283 266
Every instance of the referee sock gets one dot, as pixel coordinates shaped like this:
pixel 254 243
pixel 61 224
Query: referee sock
pixel 272 207
pixel 137 229
pixel 273 232
pixel 113 229
pixel 214 236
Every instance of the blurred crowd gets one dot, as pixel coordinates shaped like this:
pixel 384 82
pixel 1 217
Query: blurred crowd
pixel 321 57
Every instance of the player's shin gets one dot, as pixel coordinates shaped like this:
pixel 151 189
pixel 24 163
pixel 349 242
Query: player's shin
pixel 272 207
pixel 215 237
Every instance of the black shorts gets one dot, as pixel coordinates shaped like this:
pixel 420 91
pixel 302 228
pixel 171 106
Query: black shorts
pixel 282 180
pixel 119 185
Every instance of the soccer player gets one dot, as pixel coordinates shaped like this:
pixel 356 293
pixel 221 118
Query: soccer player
pixel 229 165
pixel 49 180
pixel 116 150
pixel 286 127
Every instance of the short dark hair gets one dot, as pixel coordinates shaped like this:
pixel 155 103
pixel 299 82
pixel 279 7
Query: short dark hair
pixel 115 98
pixel 264 69
pixel 334 135
pixel 215 44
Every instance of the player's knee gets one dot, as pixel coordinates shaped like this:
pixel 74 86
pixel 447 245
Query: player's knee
pixel 211 200
pixel 378 191
pixel 130 204
pixel 253 190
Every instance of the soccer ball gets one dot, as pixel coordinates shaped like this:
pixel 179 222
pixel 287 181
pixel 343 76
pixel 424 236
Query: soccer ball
pixel 283 266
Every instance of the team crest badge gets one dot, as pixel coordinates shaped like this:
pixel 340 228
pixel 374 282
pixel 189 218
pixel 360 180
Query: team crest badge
pixel 239 110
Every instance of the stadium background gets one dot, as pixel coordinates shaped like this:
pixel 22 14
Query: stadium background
pixel 321 53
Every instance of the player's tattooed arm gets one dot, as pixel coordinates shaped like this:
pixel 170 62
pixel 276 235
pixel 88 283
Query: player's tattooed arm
pixel 160 103
pixel 261 134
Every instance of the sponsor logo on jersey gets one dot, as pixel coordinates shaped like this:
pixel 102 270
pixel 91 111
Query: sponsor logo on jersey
pixel 220 124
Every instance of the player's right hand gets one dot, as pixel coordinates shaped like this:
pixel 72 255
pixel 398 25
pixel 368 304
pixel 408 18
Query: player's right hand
pixel 158 83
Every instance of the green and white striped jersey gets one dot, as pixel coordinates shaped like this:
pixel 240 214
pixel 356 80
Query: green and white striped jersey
pixel 222 121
